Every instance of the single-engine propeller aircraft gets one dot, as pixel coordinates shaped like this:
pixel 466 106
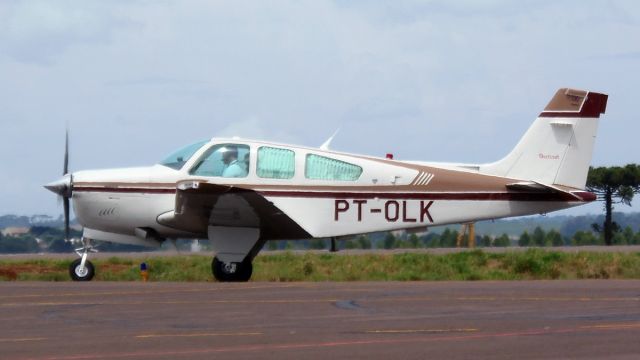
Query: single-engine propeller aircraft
pixel 241 193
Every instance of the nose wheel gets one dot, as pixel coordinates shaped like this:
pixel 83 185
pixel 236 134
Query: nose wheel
pixel 233 271
pixel 82 269
pixel 80 272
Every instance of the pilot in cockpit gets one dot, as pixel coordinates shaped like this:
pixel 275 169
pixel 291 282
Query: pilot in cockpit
pixel 233 167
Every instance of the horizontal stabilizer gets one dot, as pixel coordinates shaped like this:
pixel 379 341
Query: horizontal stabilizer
pixel 532 186
pixel 529 186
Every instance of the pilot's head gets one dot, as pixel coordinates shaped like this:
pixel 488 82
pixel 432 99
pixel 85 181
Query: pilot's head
pixel 229 154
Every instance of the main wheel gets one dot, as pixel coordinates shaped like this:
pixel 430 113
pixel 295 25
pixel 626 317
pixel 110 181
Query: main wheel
pixel 80 273
pixel 232 272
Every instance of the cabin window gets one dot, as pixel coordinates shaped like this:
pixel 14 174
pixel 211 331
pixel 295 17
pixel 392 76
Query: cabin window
pixel 224 160
pixel 178 158
pixel 275 163
pixel 323 168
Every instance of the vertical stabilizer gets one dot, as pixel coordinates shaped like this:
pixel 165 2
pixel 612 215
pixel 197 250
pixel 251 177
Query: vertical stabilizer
pixel 557 148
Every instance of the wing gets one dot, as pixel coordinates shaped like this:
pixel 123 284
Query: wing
pixel 202 204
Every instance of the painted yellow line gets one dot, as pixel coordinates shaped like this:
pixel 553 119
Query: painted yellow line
pixel 178 302
pixel 22 339
pixel 150 336
pixel 151 291
pixel 612 326
pixel 494 298
pixel 417 331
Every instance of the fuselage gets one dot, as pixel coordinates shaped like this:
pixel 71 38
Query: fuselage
pixel 326 193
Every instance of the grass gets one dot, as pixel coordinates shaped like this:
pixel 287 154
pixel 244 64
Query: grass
pixel 533 264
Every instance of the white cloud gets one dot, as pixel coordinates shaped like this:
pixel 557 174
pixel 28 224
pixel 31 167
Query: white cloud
pixel 36 31
pixel 433 80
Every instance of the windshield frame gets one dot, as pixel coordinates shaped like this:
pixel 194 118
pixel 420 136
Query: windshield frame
pixel 179 158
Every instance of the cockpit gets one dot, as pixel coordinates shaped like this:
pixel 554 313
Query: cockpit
pixel 238 160
pixel 223 160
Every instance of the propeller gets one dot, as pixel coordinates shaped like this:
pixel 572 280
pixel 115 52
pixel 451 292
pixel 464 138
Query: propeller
pixel 65 170
pixel 64 186
pixel 65 199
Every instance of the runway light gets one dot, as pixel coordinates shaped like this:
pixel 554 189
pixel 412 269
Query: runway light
pixel 143 272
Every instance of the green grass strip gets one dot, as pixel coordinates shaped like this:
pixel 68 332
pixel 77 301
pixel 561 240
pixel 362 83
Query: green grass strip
pixel 533 264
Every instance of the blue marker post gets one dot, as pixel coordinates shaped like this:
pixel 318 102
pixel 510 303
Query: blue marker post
pixel 143 272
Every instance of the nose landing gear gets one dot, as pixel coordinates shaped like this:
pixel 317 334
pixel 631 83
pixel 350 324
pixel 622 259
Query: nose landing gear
pixel 82 269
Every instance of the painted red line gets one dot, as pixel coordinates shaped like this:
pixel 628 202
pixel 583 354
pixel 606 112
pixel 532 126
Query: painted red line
pixel 293 346
pixel 475 196
pixel 126 190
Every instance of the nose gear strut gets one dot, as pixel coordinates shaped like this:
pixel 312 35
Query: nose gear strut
pixel 82 269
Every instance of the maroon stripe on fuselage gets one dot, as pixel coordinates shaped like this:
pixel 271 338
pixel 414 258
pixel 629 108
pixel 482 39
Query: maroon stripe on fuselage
pixel 126 190
pixel 475 196
pixel 480 196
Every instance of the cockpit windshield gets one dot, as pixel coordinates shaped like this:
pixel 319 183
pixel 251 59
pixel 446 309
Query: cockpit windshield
pixel 177 159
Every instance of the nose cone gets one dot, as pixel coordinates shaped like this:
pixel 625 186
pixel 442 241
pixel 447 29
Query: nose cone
pixel 61 186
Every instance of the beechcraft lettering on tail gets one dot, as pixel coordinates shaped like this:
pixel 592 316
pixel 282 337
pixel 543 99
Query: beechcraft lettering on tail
pixel 240 194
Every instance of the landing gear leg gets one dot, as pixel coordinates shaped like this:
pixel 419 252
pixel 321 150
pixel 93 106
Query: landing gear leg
pixel 334 246
pixel 82 269
pixel 232 271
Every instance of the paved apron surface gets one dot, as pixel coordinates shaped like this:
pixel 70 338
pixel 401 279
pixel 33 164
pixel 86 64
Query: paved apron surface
pixel 448 320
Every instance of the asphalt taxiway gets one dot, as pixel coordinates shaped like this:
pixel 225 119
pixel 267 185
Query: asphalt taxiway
pixel 452 320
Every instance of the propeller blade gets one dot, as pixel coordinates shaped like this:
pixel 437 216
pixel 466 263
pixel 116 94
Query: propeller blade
pixel 66 217
pixel 66 153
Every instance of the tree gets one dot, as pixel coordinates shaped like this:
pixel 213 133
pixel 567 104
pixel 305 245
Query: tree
pixel 389 241
pixel 317 244
pixel 485 241
pixel 538 237
pixel 414 241
pixel 364 242
pixel 554 238
pixel 613 185
pixel 22 244
pixel 502 241
pixel 525 239
pixel 350 244
pixel 628 234
pixel 583 238
pixel 448 238
pixel 432 240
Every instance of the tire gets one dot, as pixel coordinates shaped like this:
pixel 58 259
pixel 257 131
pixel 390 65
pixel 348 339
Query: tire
pixel 242 271
pixel 77 274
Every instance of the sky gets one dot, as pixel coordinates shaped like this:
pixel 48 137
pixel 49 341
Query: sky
pixel 456 81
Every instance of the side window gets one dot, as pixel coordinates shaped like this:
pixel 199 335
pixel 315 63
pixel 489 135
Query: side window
pixel 275 163
pixel 223 160
pixel 324 168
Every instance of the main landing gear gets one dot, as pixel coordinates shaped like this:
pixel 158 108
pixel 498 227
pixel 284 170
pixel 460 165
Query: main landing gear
pixel 82 269
pixel 233 271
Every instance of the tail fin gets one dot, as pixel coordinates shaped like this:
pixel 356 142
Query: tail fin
pixel 557 148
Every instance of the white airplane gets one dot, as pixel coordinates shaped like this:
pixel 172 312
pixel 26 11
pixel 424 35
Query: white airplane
pixel 241 193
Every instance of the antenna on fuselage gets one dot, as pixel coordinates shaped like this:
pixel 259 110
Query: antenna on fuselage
pixel 326 144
